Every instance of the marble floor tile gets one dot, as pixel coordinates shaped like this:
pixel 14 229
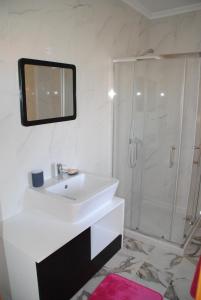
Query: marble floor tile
pixel 93 283
pixel 171 293
pixel 138 247
pixel 164 259
pixel 185 269
pixel 175 260
pixel 154 267
pixel 124 262
pixel 154 278
pixel 82 295
pixel 179 289
pixel 193 251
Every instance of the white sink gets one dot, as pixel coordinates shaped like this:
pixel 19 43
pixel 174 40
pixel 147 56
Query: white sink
pixel 73 198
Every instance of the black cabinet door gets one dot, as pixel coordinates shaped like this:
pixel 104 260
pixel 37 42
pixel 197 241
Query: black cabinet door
pixel 62 274
pixel 65 271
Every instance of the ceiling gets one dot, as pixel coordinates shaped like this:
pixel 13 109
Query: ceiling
pixel 162 8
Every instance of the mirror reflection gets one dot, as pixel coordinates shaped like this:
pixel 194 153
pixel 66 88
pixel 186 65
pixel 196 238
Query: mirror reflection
pixel 48 93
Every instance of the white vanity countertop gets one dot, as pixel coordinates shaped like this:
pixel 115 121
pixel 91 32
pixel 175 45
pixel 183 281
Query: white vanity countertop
pixel 38 234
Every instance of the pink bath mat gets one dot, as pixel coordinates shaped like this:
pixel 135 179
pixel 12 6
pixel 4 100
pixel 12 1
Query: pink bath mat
pixel 115 287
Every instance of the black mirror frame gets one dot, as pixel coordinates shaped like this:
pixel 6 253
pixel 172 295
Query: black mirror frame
pixel 23 107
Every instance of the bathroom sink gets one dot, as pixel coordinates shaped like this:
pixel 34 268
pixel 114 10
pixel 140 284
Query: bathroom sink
pixel 73 198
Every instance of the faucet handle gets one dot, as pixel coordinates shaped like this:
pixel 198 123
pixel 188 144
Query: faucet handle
pixel 59 168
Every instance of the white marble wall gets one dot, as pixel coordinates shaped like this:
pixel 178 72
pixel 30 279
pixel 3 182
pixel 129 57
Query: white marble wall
pixel 87 33
pixel 177 34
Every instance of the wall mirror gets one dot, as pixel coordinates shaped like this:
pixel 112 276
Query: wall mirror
pixel 47 91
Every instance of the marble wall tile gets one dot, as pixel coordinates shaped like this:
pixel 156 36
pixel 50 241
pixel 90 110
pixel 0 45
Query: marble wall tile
pixel 88 33
pixel 176 34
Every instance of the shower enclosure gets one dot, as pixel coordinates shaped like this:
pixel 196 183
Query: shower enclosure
pixel 156 148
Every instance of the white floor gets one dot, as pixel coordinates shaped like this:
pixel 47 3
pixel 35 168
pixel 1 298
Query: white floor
pixel 154 267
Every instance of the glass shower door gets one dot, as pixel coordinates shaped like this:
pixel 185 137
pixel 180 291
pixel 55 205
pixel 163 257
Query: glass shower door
pixel 191 214
pixel 148 113
pixel 123 103
pixel 194 69
pixel 163 88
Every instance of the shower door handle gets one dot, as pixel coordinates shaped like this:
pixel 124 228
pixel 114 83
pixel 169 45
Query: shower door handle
pixel 172 154
pixel 197 161
pixel 133 152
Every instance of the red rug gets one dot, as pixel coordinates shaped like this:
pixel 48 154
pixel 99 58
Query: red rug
pixel 195 280
pixel 115 287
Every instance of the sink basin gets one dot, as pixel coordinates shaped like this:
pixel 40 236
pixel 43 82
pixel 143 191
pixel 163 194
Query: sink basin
pixel 73 198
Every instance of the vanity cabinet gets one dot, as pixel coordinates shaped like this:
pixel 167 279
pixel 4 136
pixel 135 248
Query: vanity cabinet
pixel 64 272
pixel 48 259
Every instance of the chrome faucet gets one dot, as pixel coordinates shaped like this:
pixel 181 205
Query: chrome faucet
pixel 60 170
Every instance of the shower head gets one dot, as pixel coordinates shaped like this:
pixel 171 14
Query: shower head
pixel 146 52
